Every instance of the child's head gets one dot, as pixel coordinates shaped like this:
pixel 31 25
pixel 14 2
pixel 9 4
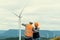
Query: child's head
pixel 36 24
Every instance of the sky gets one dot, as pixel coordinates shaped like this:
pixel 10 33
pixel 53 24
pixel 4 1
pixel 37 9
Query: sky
pixel 46 12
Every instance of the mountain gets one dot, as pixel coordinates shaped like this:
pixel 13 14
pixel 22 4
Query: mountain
pixel 57 33
pixel 2 31
pixel 46 33
pixel 9 33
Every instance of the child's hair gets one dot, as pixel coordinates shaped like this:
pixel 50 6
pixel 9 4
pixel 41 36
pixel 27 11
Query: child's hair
pixel 36 24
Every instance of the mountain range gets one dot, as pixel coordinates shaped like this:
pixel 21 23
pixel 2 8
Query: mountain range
pixel 46 33
pixel 14 33
pixel 8 33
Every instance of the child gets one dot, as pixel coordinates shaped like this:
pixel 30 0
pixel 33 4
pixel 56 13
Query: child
pixel 36 35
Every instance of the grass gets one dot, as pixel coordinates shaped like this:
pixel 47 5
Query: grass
pixel 22 38
pixel 41 38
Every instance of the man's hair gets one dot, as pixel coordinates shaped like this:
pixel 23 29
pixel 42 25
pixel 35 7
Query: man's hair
pixel 31 22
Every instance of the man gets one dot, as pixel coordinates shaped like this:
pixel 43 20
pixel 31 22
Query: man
pixel 28 31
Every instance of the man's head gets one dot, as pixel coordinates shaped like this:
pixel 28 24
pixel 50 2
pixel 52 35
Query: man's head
pixel 31 23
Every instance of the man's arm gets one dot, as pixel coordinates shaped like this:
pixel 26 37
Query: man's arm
pixel 24 24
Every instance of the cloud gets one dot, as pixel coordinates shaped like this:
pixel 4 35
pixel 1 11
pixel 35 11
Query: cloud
pixel 46 12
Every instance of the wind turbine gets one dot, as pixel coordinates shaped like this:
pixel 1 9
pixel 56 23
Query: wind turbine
pixel 19 21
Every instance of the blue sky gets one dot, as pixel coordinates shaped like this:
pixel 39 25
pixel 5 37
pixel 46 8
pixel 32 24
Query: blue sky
pixel 46 12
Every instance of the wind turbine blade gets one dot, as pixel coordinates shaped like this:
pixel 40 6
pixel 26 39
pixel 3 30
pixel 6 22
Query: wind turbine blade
pixel 15 14
pixel 21 12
